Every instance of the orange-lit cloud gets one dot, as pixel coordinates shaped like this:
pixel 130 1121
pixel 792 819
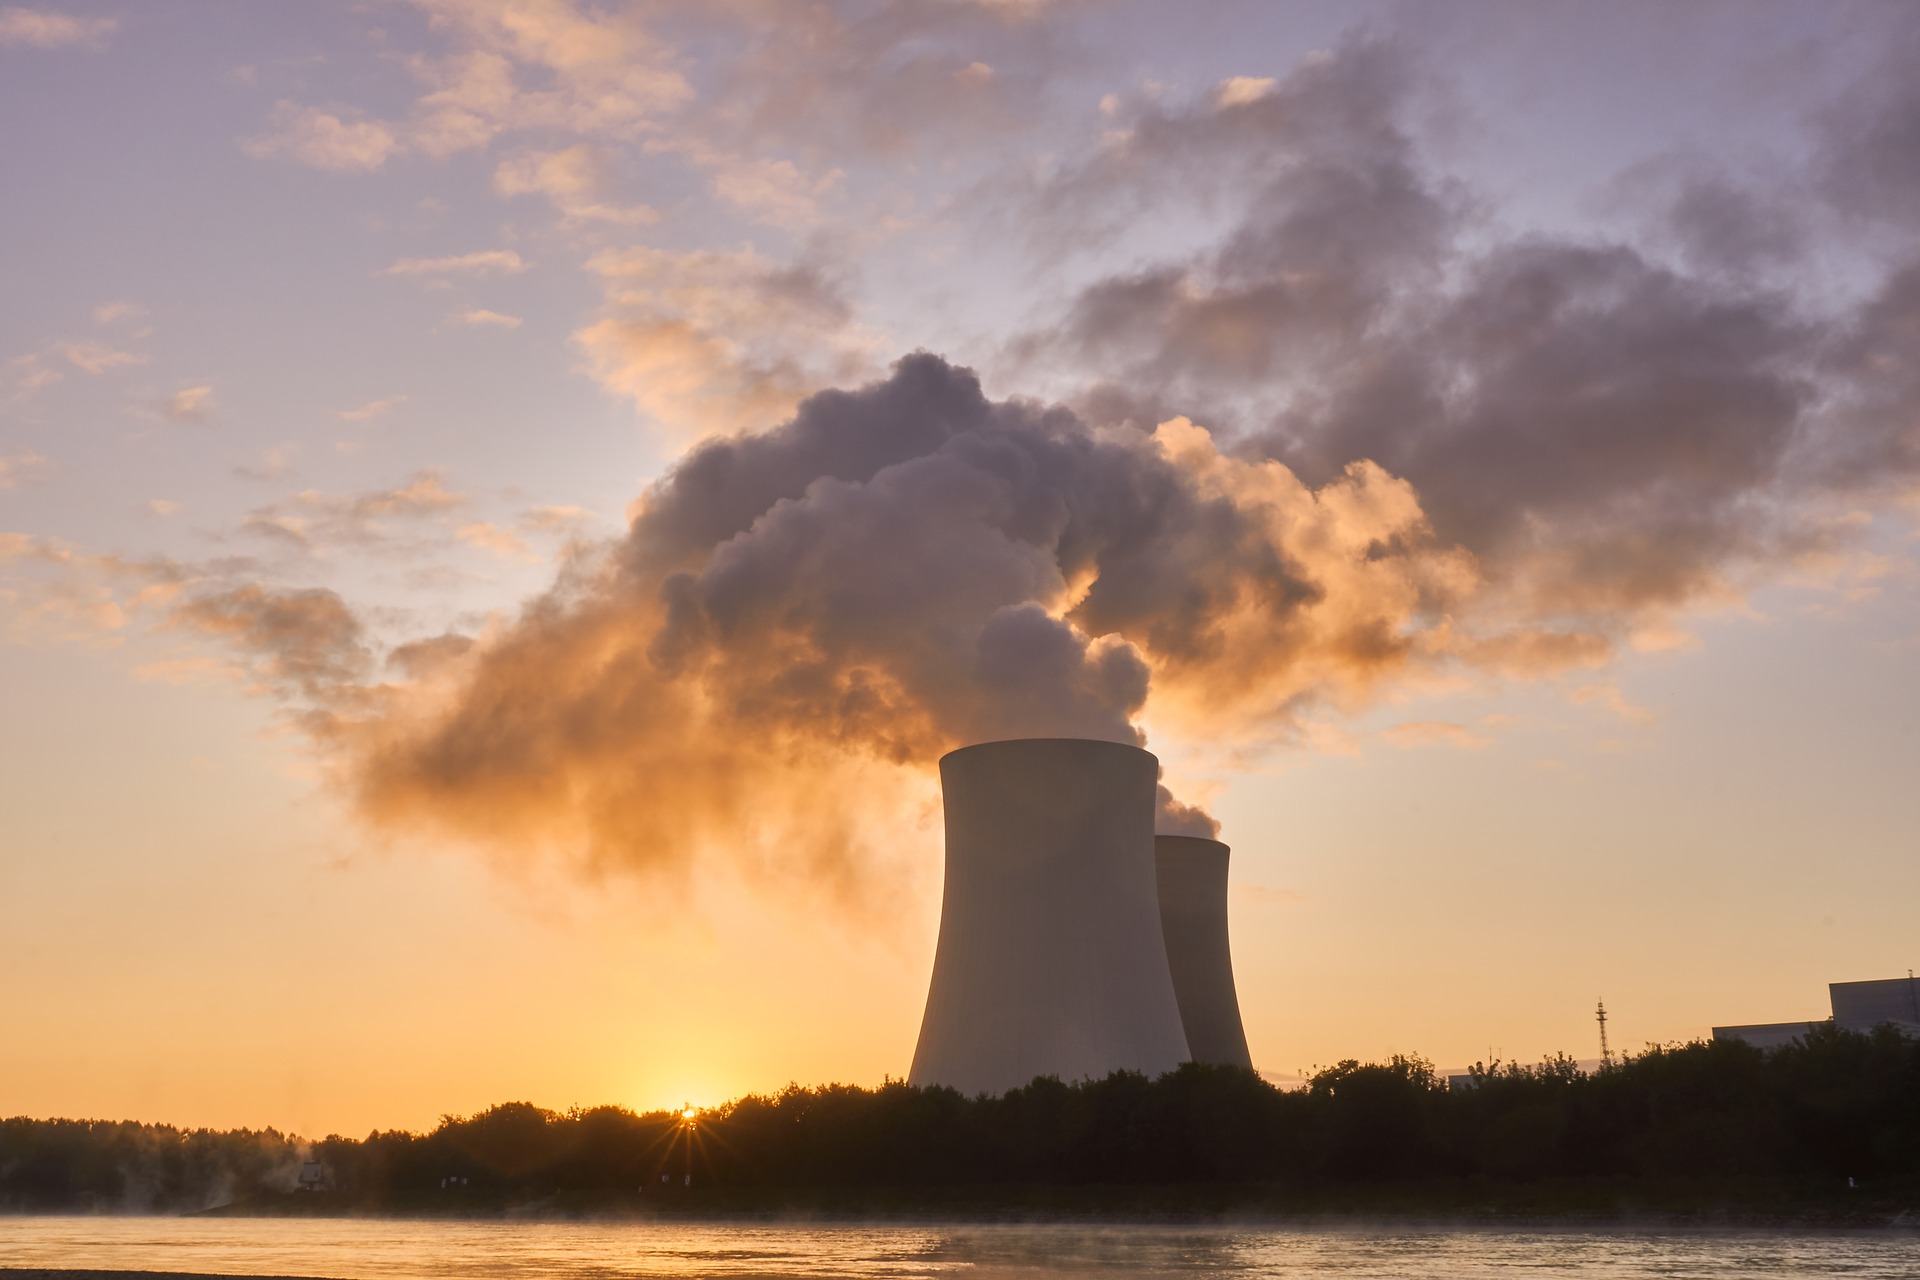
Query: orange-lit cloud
pixel 501 542
pixel 24 375
pixel 1609 697
pixel 89 356
pixel 341 142
pixel 511 66
pixel 48 29
pixel 189 404
pixel 51 589
pixel 481 318
pixel 708 342
pixel 817 612
pixel 118 310
pixel 574 179
pixel 373 409
pixel 311 520
pixel 480 262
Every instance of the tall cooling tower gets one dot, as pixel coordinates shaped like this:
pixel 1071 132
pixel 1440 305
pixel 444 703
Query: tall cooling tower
pixel 1050 959
pixel 1193 917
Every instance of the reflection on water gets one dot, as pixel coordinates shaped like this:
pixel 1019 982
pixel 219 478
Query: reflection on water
pixel 375 1250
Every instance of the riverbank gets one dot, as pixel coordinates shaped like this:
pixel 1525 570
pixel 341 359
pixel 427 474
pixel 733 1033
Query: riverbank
pixel 1824 1130
pixel 1583 1203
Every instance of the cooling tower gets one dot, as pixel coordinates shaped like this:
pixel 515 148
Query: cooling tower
pixel 1193 918
pixel 1050 960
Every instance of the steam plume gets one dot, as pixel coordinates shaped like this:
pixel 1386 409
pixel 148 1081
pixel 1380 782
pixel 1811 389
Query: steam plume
pixel 813 614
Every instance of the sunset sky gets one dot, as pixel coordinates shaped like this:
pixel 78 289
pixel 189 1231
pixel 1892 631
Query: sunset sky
pixel 451 653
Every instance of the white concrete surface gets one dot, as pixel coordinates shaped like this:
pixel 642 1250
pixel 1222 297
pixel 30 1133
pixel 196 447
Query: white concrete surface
pixel 1192 874
pixel 1050 959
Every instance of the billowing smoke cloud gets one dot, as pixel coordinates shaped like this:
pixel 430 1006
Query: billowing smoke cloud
pixel 1612 428
pixel 797 621
pixel 1439 447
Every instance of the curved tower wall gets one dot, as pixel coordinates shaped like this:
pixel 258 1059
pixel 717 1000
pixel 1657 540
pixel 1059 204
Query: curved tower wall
pixel 1192 876
pixel 1050 960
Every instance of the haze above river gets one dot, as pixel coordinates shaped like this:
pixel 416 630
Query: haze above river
pixel 370 1249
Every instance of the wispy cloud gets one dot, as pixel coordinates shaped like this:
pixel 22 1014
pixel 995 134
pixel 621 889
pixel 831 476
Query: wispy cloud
pixel 555 519
pixel 304 642
pixel 770 189
pixel 373 409
pixel 777 192
pixel 548 67
pixel 21 376
pixel 485 262
pixel 501 542
pixel 117 310
pixel 15 467
pixel 97 357
pixel 1609 698
pixel 312 521
pixel 706 341
pixel 45 29
pixel 61 592
pixel 574 179
pixel 275 465
pixel 482 318
pixel 324 140
pixel 1238 91
pixel 584 72
pixel 423 494
pixel 189 404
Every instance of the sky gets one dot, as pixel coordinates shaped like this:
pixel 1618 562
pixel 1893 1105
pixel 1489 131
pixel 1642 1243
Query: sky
pixel 504 502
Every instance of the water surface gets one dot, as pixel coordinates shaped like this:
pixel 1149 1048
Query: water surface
pixel 381 1249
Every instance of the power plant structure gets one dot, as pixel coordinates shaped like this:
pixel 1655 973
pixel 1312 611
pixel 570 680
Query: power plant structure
pixel 1857 1006
pixel 1191 873
pixel 1072 942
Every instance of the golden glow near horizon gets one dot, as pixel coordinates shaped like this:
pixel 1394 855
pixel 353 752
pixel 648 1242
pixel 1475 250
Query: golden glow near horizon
pixel 1502 519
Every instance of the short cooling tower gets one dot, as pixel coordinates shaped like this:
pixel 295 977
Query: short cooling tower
pixel 1193 918
pixel 1050 961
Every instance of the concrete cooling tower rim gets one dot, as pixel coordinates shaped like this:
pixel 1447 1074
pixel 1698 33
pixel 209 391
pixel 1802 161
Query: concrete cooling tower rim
pixel 1081 742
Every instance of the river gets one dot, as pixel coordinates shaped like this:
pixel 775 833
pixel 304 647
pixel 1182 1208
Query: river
pixel 381 1249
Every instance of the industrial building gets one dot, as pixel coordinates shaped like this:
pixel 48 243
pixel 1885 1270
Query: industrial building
pixel 1856 1006
pixel 1862 1006
pixel 1057 920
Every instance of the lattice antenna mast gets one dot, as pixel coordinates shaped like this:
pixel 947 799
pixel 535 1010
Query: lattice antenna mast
pixel 1606 1054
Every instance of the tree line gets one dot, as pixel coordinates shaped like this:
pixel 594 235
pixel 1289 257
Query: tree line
pixel 1831 1107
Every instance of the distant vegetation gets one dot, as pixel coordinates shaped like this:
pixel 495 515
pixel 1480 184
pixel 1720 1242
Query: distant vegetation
pixel 1833 1107
pixel 63 1166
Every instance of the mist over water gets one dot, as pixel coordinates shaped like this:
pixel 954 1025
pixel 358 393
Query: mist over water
pixel 378 1250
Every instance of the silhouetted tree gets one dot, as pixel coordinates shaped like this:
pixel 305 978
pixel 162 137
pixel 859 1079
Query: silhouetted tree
pixel 1831 1106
